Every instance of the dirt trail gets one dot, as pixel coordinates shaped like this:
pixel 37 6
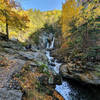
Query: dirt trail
pixel 6 72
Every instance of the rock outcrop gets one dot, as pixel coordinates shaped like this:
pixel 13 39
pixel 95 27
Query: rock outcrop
pixel 89 75
pixel 43 39
pixel 36 56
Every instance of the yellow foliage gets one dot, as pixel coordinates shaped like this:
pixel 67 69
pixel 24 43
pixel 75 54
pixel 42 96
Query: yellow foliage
pixel 69 12
pixel 81 14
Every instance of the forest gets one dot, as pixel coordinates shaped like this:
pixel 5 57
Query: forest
pixel 50 55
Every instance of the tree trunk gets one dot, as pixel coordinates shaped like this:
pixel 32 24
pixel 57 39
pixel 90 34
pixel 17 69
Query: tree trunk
pixel 87 37
pixel 7 31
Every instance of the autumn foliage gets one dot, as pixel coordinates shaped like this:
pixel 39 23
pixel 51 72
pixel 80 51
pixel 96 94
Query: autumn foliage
pixel 11 16
pixel 78 18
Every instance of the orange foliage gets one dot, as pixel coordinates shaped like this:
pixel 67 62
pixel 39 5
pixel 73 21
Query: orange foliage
pixel 57 95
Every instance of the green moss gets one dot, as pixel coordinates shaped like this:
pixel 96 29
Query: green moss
pixel 44 69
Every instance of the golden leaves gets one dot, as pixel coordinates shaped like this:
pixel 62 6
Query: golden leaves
pixel 16 18
pixel 69 12
pixel 74 16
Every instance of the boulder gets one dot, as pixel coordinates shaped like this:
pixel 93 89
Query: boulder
pixel 83 75
pixel 64 70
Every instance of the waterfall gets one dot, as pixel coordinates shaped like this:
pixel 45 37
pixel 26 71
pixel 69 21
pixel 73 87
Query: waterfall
pixel 53 64
pixel 52 44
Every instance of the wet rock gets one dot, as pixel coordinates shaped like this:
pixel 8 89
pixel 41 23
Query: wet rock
pixel 53 60
pixel 49 49
pixel 57 79
pixel 10 94
pixel 63 70
pixel 52 64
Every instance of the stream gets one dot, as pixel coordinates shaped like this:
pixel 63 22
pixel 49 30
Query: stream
pixel 70 89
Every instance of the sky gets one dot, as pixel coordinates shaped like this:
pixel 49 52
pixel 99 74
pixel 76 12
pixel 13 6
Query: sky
pixel 43 5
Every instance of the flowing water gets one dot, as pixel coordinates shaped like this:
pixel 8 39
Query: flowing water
pixel 71 90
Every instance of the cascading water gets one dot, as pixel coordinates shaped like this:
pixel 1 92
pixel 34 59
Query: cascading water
pixel 52 44
pixel 69 90
pixel 52 62
pixel 54 65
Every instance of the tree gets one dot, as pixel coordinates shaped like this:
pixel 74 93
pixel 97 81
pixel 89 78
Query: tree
pixel 69 12
pixel 86 20
pixel 11 16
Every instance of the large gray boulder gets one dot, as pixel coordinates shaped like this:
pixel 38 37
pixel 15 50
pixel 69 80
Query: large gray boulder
pixel 86 74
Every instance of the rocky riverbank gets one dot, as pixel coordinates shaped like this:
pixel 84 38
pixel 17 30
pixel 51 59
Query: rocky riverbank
pixel 24 72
